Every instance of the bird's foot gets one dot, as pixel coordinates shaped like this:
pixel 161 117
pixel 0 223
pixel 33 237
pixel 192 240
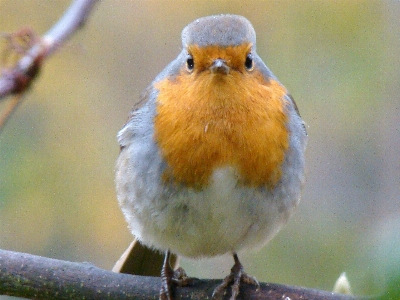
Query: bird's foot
pixel 236 276
pixel 169 277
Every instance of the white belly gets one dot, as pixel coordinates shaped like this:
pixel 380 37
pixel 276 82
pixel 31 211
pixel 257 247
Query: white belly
pixel 224 217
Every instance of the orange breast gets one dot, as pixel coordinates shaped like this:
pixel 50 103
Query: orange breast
pixel 206 121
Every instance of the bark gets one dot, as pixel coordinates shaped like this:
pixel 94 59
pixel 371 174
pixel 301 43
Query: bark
pixel 35 277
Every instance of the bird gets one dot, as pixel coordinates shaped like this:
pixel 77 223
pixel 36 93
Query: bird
pixel 212 157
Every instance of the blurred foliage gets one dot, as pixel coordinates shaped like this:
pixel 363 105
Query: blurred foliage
pixel 339 59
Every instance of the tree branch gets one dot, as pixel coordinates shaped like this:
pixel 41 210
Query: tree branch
pixel 18 79
pixel 35 277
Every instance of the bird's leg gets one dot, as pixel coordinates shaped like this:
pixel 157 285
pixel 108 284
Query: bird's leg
pixel 236 276
pixel 166 278
pixel 170 277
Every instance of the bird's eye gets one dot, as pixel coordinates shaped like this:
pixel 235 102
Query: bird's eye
pixel 190 63
pixel 249 62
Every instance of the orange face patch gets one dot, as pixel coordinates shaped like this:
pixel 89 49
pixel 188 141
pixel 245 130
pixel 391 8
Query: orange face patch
pixel 235 56
pixel 206 121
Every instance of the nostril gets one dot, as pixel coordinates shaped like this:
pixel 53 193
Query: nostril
pixel 219 66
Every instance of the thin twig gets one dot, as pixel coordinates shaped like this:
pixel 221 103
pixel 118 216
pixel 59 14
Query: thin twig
pixel 10 108
pixel 70 22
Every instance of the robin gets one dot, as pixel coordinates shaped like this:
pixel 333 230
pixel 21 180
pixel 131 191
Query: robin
pixel 212 162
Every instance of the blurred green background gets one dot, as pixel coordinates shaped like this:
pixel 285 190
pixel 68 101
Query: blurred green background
pixel 339 59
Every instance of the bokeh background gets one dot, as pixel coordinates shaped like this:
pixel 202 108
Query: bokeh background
pixel 339 59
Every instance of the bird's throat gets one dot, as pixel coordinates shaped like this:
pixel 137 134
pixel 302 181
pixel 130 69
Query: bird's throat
pixel 209 121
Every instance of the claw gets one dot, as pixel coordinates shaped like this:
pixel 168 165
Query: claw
pixel 236 276
pixel 170 277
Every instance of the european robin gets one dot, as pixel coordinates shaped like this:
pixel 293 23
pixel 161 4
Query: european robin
pixel 212 162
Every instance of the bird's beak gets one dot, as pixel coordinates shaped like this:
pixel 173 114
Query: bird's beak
pixel 219 66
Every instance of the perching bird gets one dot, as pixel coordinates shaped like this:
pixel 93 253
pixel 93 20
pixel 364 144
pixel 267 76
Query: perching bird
pixel 213 160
